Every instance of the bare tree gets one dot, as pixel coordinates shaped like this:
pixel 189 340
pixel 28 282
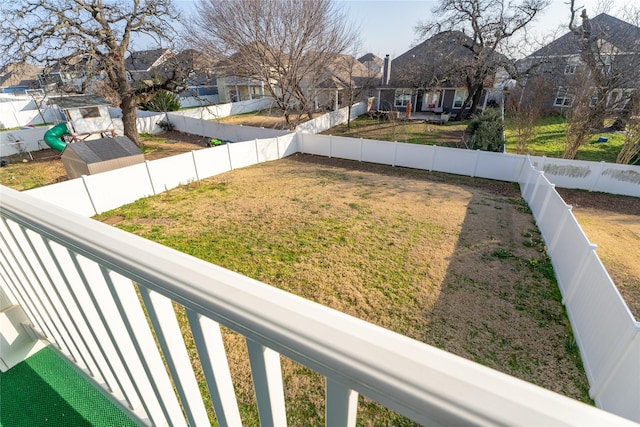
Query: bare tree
pixel 94 35
pixel 606 81
pixel 354 79
pixel 284 44
pixel 525 113
pixel 484 28
pixel 630 151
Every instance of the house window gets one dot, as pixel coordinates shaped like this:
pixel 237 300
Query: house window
pixel 459 98
pixel 90 112
pixel 618 99
pixel 564 98
pixel 571 65
pixel 606 65
pixel 403 97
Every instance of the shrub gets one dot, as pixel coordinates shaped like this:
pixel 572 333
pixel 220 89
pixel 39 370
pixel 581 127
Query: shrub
pixel 166 125
pixel 485 131
pixel 163 101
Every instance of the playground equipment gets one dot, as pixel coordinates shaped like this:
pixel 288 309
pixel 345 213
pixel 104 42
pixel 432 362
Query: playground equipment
pixel 54 137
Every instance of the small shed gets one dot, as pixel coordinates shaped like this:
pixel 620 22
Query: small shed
pixel 85 114
pixel 100 155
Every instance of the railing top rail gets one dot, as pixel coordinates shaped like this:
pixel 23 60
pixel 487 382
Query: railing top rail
pixel 417 380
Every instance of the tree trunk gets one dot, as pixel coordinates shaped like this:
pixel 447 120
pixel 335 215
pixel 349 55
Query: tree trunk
pixel 475 100
pixel 129 108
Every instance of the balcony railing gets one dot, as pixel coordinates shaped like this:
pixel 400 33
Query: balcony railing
pixel 89 289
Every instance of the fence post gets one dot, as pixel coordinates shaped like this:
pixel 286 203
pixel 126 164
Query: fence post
pixel 433 158
pixel 395 153
pixel 361 148
pixel 86 188
pixel 229 154
pixel 195 165
pixel 146 162
pixel 540 181
pixel 475 167
pixel 330 145
pixel 598 175
pixel 545 202
pixel 278 147
pixel 554 240
pixel 255 143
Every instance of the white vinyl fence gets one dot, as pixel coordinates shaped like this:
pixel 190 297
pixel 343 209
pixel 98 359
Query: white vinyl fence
pixel 605 330
pixel 334 118
pixel 93 194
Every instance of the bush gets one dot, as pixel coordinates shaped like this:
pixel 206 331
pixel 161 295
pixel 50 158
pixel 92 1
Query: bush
pixel 163 101
pixel 485 131
pixel 166 126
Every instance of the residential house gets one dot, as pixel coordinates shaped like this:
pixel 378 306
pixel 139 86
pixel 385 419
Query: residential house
pixel 558 71
pixel 343 80
pixel 18 77
pixel 373 63
pixel 430 77
pixel 68 75
pixel 190 69
pixel 142 65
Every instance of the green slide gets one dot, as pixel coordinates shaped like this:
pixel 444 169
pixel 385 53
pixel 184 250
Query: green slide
pixel 53 137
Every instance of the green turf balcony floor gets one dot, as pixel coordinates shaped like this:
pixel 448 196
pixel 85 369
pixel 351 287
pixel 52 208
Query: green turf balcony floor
pixel 45 391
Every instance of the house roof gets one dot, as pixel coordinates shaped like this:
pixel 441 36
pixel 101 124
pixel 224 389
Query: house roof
pixel 434 62
pixel 19 74
pixel 617 32
pixel 144 60
pixel 370 57
pixel 345 71
pixel 78 101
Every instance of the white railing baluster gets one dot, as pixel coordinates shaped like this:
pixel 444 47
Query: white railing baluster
pixel 92 331
pixel 342 405
pixel 45 269
pixel 29 300
pixel 213 358
pixel 267 382
pixel 136 333
pixel 164 321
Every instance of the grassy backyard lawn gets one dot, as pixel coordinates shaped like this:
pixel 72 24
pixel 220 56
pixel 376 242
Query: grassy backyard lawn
pixel 454 262
pixel 548 140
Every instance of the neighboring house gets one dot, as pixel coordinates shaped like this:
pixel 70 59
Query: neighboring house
pixel 429 76
pixel 557 71
pixel 142 65
pixel 68 76
pixel 17 77
pixel 192 68
pixel 373 63
pixel 344 80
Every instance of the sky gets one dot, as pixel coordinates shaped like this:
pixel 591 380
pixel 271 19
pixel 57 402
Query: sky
pixel 388 26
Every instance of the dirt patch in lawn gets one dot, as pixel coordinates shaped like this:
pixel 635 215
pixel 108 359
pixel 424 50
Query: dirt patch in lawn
pixel 451 261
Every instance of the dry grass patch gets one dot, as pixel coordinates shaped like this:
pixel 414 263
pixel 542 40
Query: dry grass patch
pixel 410 131
pixel 272 119
pixel 451 261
